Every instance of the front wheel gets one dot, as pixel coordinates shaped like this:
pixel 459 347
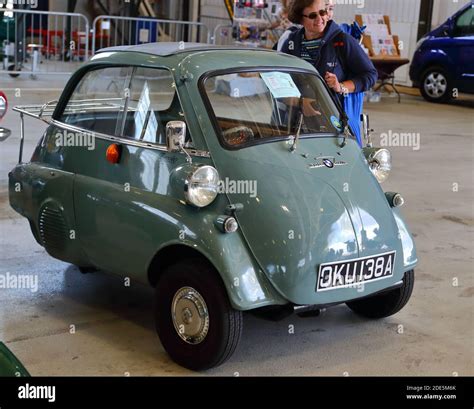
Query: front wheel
pixel 387 303
pixel 194 319
pixel 436 85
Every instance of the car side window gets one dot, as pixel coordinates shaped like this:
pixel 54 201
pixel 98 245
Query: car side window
pixel 130 102
pixel 465 23
pixel 97 102
pixel 153 102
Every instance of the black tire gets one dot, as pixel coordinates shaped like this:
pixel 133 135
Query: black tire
pixel 387 303
pixel 86 270
pixel 13 68
pixel 432 81
pixel 224 325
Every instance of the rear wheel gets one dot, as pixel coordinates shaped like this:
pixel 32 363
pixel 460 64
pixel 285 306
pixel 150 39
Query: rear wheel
pixel 436 85
pixel 194 319
pixel 387 303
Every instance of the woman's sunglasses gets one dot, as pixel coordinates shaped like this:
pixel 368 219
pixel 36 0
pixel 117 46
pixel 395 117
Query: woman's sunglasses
pixel 314 15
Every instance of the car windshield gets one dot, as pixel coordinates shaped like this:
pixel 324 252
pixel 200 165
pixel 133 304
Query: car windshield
pixel 263 106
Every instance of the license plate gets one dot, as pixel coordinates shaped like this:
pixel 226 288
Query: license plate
pixel 353 273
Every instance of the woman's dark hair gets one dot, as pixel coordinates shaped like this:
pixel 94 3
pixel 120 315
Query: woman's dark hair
pixel 295 10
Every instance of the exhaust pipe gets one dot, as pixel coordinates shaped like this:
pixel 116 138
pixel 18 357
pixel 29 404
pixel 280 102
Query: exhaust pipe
pixel 306 311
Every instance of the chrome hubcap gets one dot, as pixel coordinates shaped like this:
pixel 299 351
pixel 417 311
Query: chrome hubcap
pixel 190 315
pixel 436 85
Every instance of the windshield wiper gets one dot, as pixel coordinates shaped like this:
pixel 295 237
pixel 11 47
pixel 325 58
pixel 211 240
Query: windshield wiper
pixel 345 128
pixel 300 124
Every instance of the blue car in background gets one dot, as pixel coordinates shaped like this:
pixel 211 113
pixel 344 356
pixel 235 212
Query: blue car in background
pixel 444 59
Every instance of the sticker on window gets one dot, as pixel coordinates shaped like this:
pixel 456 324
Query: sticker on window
pixel 143 105
pixel 146 123
pixel 336 123
pixel 281 85
pixel 151 129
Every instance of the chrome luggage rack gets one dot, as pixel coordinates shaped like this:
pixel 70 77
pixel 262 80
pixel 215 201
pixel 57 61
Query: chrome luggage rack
pixel 45 112
pixel 37 111
pixel 42 112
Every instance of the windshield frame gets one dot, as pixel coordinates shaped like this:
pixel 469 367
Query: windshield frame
pixel 212 116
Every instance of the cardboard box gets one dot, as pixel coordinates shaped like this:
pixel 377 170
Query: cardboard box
pixel 382 43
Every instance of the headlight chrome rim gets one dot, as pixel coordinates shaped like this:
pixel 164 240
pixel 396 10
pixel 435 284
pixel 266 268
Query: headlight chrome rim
pixel 380 164
pixel 231 225
pixel 398 200
pixel 200 192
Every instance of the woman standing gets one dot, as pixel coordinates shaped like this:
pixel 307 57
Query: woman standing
pixel 337 56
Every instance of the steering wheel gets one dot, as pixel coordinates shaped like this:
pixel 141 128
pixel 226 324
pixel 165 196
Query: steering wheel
pixel 238 135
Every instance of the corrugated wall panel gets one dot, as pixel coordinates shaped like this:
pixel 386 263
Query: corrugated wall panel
pixel 214 8
pixel 401 11
pixel 213 14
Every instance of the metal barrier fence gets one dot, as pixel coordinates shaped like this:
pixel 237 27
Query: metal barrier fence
pixel 39 41
pixel 223 35
pixel 114 30
pixel 212 22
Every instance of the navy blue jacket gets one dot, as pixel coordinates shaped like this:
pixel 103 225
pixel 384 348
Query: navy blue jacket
pixel 357 66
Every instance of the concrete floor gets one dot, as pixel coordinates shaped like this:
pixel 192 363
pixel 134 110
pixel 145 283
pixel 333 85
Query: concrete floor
pixel 115 333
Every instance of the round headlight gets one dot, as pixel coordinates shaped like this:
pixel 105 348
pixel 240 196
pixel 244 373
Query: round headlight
pixel 202 186
pixel 381 164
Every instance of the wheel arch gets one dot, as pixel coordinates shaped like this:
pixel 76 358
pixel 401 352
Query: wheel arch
pixel 246 286
pixel 432 67
pixel 169 255
pixel 435 58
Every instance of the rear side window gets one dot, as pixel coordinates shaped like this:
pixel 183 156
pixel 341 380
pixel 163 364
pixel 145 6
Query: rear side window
pixel 130 102
pixel 98 100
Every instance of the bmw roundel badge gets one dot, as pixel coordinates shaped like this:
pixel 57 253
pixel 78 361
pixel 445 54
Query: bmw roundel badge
pixel 328 163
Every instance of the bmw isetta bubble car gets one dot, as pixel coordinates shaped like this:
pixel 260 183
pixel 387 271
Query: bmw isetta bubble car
pixel 195 169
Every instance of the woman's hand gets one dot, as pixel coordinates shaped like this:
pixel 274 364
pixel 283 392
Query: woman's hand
pixel 307 105
pixel 308 109
pixel 333 82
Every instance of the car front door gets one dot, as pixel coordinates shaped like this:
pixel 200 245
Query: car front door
pixel 117 205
